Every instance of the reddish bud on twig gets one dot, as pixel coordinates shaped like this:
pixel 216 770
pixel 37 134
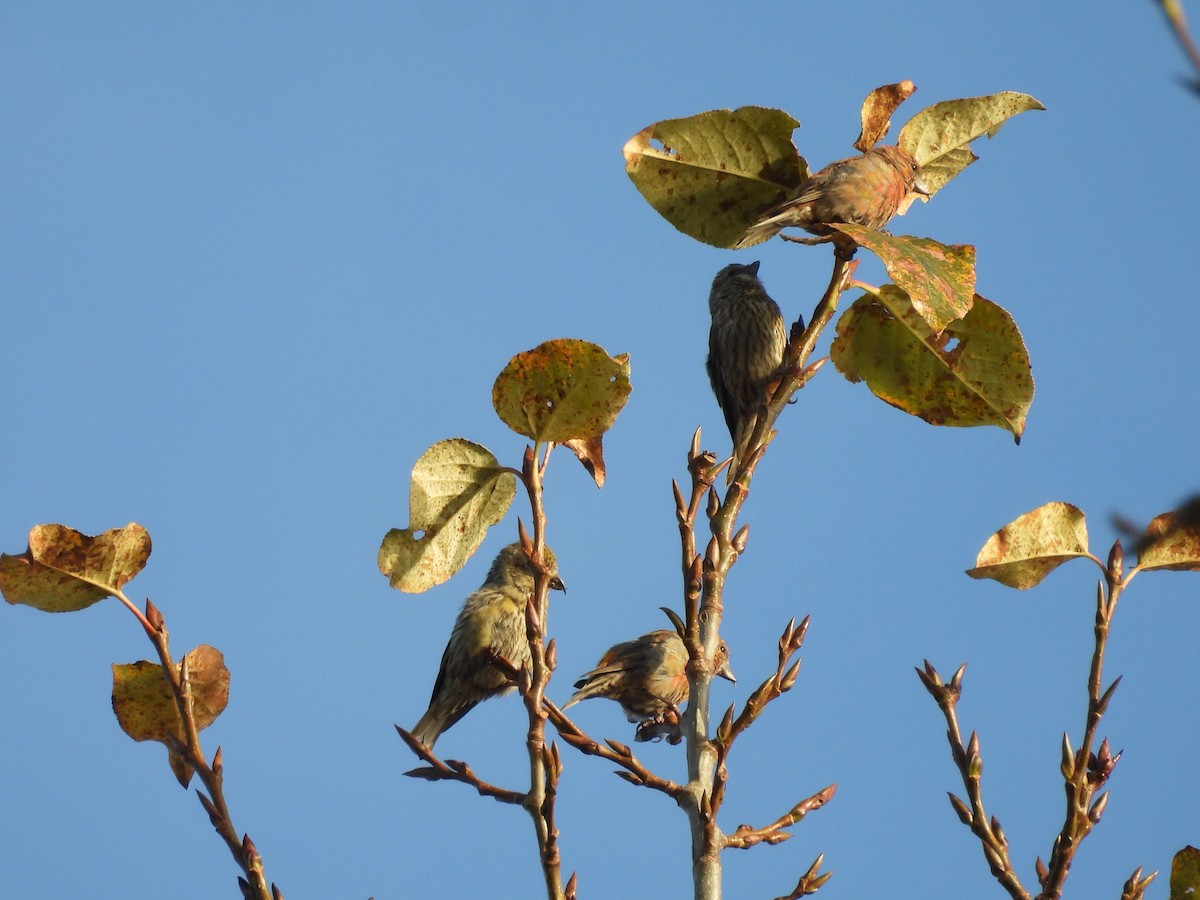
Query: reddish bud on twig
pixel 1107 695
pixel 681 506
pixel 713 503
pixel 961 809
pixel 552 655
pixel 694 451
pixel 570 889
pixel 789 678
pixel 217 763
pixel 276 893
pixel 1042 872
pixel 1116 561
pixel 154 615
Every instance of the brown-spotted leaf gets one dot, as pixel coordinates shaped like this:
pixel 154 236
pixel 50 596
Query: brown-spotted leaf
pixel 976 372
pixel 64 570
pixel 938 135
pixel 1032 546
pixel 938 278
pixel 711 175
pixel 877 112
pixel 1185 874
pixel 565 389
pixel 458 491
pixel 145 704
pixel 1172 541
pixel 590 453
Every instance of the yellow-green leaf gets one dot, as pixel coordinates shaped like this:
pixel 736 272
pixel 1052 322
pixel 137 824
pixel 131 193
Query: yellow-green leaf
pixel 711 175
pixel 877 112
pixel 976 372
pixel 64 570
pixel 938 135
pixel 1031 546
pixel 938 278
pixel 458 491
pixel 562 390
pixel 1185 874
pixel 1171 542
pixel 145 704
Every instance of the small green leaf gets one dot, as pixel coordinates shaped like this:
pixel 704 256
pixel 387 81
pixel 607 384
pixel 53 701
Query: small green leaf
pixel 976 372
pixel 1032 546
pixel 458 491
pixel 562 390
pixel 64 570
pixel 715 172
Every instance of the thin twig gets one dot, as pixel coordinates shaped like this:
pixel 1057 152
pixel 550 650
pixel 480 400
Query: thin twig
pixel 455 770
pixel 745 836
pixel 613 751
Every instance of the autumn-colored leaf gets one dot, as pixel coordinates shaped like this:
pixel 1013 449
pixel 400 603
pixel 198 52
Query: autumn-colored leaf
pixel 1172 542
pixel 877 112
pixel 64 570
pixel 712 174
pixel 938 278
pixel 1030 547
pixel 145 704
pixel 590 453
pixel 976 372
pixel 562 390
pixel 938 135
pixel 458 491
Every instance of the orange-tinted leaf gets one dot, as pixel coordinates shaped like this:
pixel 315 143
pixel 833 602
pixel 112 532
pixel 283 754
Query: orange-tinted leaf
pixel 1031 546
pixel 145 704
pixel 711 175
pixel 1172 541
pixel 590 452
pixel 938 278
pixel 458 491
pixel 64 570
pixel 877 112
pixel 562 390
pixel 976 372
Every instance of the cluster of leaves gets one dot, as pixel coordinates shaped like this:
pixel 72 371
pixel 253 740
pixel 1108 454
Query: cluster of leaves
pixel 926 343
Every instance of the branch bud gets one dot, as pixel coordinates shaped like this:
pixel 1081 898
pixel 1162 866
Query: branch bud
pixel 739 539
pixel 1116 561
pixel 961 809
pixel 1097 808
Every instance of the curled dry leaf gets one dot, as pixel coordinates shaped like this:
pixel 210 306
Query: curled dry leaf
pixel 877 112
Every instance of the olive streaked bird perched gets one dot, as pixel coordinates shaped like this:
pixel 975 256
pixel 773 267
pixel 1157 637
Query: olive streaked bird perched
pixel 648 677
pixel 862 190
pixel 491 621
pixel 745 349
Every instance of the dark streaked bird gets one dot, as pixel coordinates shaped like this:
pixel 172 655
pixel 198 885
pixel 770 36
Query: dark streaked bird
pixel 860 190
pixel 745 348
pixel 492 620
pixel 648 677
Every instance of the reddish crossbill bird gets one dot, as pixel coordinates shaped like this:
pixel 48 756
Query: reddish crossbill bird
pixel 745 348
pixel 648 677
pixel 861 190
pixel 490 623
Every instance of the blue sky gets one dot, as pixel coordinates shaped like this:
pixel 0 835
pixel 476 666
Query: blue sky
pixel 258 257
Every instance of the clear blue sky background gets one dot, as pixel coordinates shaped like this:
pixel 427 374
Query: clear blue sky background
pixel 257 257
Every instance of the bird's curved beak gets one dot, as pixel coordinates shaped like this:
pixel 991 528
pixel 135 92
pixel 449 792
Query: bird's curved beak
pixel 726 672
pixel 556 584
pixel 919 187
